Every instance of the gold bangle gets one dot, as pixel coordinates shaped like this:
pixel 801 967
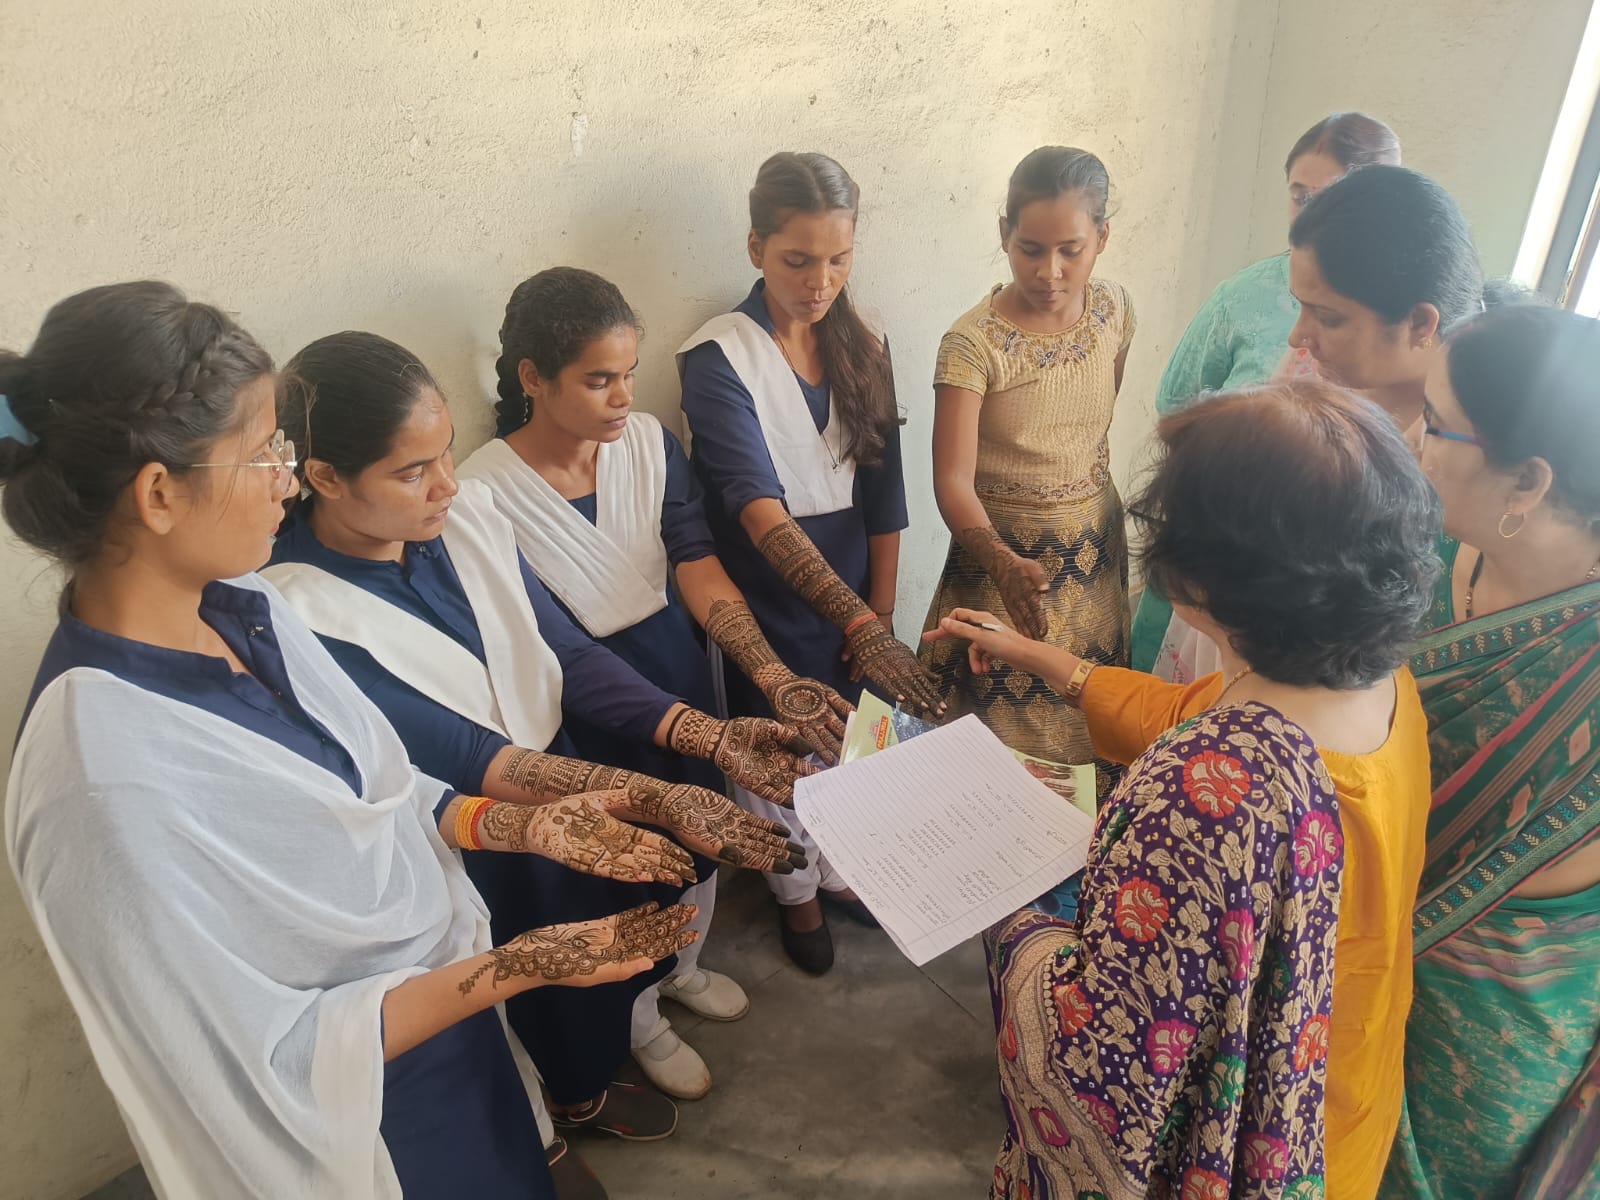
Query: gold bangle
pixel 467 822
pixel 1073 691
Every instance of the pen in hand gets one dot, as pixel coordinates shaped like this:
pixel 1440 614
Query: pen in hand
pixel 989 625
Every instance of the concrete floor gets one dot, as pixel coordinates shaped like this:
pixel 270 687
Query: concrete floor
pixel 876 1081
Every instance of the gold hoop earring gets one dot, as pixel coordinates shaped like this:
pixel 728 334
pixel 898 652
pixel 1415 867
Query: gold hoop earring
pixel 1522 519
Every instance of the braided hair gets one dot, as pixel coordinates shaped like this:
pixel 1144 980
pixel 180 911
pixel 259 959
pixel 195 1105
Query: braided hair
pixel 549 319
pixel 120 376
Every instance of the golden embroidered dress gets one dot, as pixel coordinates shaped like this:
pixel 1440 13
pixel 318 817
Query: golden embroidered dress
pixel 1043 477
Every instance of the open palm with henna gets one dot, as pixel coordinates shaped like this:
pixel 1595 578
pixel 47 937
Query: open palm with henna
pixel 711 824
pixel 816 711
pixel 587 953
pixel 580 832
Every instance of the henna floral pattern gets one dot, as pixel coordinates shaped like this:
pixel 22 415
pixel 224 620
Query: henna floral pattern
pixel 889 663
pixel 755 753
pixel 816 711
pixel 1143 1050
pixel 704 821
pixel 1021 581
pixel 589 951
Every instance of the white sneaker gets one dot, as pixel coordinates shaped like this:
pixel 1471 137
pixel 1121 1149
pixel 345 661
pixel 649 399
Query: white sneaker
pixel 707 994
pixel 673 1065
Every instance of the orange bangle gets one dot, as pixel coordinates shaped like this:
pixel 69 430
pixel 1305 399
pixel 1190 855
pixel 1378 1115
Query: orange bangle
pixel 1073 691
pixel 467 817
pixel 859 622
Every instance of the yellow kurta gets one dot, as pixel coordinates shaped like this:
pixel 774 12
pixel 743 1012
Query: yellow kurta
pixel 1044 480
pixel 1384 799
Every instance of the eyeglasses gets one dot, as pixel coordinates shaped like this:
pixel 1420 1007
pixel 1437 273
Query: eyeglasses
pixel 278 458
pixel 1429 429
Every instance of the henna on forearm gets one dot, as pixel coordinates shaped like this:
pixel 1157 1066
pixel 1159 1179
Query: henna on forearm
pixel 1018 579
pixel 800 564
pixel 731 625
pixel 580 832
pixel 541 774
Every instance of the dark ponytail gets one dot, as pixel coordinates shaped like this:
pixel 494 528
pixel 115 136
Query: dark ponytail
pixel 853 357
pixel 1391 239
pixel 549 319
pixel 119 377
pixel 344 397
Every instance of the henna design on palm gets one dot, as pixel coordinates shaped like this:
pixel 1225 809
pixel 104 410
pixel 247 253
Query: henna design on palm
pixel 584 953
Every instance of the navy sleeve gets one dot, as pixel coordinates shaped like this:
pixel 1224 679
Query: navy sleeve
pixel 683 511
pixel 439 741
pixel 729 449
pixel 595 684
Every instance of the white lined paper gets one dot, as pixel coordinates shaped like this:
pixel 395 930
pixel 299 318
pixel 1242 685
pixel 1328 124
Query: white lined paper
pixel 943 835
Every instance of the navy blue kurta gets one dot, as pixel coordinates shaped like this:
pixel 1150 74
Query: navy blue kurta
pixel 577 1036
pixel 731 459
pixel 667 647
pixel 455 1115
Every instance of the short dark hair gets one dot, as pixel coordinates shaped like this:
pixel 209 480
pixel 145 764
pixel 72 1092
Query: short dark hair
pixel 549 319
pixel 1391 239
pixel 1296 517
pixel 1351 139
pixel 120 376
pixel 1528 378
pixel 343 398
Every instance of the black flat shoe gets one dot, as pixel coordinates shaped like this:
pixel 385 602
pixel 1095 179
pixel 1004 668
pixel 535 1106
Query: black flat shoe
pixel 854 909
pixel 812 952
pixel 571 1175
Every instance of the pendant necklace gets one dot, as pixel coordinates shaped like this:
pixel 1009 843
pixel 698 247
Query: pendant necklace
pixel 821 433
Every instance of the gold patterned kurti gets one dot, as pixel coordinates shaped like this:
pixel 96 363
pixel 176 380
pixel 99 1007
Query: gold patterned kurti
pixel 1043 477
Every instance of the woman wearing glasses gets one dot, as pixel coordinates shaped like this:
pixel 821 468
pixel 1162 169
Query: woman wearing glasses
pixel 250 895
pixel 1502 1053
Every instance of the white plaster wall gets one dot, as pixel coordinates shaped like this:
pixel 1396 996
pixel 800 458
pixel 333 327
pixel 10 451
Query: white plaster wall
pixel 1471 86
pixel 399 167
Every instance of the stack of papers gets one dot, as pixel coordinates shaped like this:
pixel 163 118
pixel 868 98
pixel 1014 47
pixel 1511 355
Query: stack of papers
pixel 944 835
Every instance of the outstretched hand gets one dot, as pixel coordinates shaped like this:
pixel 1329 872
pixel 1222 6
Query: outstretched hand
pixel 588 953
pixel 711 824
pixel 989 640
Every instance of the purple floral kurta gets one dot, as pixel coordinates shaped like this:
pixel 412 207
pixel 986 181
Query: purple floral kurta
pixel 1172 1041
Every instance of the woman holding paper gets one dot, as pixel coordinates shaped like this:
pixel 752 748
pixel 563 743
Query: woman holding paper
pixel 253 899
pixel 415 584
pixel 1270 812
pixel 790 402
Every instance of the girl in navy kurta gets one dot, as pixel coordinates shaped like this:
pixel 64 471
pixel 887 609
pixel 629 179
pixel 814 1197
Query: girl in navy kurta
pixel 380 429
pixel 607 509
pixel 790 403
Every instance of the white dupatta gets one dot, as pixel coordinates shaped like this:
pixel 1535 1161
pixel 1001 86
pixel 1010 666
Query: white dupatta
pixel 815 480
pixel 516 691
pixel 610 574
pixel 226 918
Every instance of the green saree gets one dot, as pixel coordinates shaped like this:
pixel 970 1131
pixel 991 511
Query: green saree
pixel 1502 1068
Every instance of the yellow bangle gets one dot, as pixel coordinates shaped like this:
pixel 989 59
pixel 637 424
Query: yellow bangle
pixel 1073 691
pixel 467 822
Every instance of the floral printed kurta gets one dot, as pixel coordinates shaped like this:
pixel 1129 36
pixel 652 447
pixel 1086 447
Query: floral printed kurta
pixel 1171 1042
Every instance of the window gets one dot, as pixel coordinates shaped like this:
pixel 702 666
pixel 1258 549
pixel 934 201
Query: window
pixel 1560 253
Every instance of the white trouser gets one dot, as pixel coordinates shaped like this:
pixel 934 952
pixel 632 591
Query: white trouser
pixel 800 886
pixel 647 1008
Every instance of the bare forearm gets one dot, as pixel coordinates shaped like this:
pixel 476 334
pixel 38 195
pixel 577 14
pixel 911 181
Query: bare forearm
pixel 883 572
pixel 428 1004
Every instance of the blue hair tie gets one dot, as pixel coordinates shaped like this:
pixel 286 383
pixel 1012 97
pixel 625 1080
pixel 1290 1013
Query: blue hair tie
pixel 12 428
